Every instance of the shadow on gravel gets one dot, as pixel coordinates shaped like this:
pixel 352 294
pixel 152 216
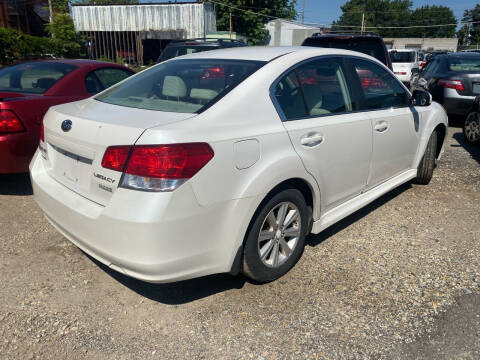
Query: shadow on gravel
pixel 314 240
pixel 15 184
pixel 177 293
pixel 474 150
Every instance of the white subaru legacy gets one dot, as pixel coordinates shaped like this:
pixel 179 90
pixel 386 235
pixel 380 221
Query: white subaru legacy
pixel 224 161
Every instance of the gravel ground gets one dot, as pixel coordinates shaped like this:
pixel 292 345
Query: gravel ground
pixel 399 279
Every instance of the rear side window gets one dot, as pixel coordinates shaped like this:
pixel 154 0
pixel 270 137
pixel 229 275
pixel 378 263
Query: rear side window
pixel 380 89
pixel 314 89
pixel 111 76
pixel 184 86
pixel 35 78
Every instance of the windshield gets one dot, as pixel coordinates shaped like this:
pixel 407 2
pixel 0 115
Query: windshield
pixel 184 86
pixel 464 64
pixel 174 51
pixel 369 46
pixel 402 56
pixel 34 78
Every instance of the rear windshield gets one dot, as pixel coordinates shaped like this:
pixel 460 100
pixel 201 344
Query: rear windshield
pixel 174 51
pixel 184 86
pixel 372 47
pixel 34 78
pixel 402 56
pixel 464 64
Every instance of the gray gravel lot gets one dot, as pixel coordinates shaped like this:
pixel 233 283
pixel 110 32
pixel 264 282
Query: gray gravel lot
pixel 399 279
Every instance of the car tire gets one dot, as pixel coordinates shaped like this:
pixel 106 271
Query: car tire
pixel 280 248
pixel 425 169
pixel 471 128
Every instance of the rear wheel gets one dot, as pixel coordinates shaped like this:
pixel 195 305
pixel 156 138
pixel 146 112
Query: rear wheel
pixel 276 238
pixel 471 128
pixel 425 169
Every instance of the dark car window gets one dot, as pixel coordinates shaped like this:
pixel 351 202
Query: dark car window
pixel 464 64
pixel 370 46
pixel 314 89
pixel 174 51
pixel 402 56
pixel 92 84
pixel 181 85
pixel 380 89
pixel 35 78
pixel 111 76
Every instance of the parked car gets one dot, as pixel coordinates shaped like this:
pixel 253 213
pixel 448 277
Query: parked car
pixel 182 47
pixel 430 56
pixel 421 60
pixel 29 89
pixel 223 161
pixel 471 126
pixel 369 44
pixel 453 80
pixel 405 63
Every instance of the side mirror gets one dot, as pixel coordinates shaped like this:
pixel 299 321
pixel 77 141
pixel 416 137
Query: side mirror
pixel 421 98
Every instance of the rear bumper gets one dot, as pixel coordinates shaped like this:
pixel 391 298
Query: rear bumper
pixel 456 104
pixel 154 237
pixel 16 152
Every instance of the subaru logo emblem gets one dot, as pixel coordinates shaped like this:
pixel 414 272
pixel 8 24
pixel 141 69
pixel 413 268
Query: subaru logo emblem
pixel 66 125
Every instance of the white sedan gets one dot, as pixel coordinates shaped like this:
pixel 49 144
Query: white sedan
pixel 224 161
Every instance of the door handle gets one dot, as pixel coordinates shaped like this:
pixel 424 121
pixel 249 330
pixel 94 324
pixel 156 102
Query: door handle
pixel 381 126
pixel 311 139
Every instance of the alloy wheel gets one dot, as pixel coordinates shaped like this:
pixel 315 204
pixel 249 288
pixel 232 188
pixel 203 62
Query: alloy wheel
pixel 472 127
pixel 279 234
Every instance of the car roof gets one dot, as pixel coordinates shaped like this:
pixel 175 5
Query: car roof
pixel 266 53
pixel 402 50
pixel 76 62
pixel 346 35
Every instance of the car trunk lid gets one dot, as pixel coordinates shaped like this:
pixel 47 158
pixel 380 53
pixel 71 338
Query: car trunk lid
pixel 77 135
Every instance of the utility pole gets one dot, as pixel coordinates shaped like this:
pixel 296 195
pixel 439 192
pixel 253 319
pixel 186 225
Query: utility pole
pixel 230 26
pixel 50 11
pixel 363 22
pixel 303 12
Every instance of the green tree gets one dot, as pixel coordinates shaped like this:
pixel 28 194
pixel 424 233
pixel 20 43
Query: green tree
pixel 470 33
pixel 66 41
pixel 60 6
pixel 250 16
pixel 383 13
pixel 431 15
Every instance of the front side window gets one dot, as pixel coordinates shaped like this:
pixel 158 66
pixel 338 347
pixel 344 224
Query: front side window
pixel 184 86
pixel 313 89
pixel 33 78
pixel 380 88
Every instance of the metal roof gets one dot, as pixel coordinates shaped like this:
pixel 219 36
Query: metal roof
pixel 174 20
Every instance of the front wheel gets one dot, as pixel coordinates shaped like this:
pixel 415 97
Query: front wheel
pixel 425 169
pixel 276 238
pixel 471 128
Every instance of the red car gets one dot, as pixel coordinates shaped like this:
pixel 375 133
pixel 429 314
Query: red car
pixel 29 89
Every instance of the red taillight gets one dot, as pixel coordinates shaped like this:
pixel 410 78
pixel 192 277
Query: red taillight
pixel 9 122
pixel 212 73
pixel 42 133
pixel 452 84
pixel 115 157
pixel 175 161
